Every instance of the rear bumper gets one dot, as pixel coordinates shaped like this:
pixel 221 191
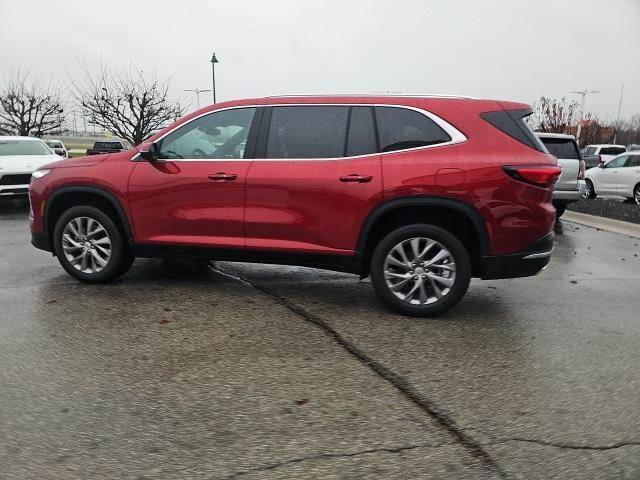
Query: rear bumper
pixel 525 263
pixel 569 196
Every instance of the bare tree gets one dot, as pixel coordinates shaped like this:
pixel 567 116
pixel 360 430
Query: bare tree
pixel 126 103
pixel 554 115
pixel 593 131
pixel 28 108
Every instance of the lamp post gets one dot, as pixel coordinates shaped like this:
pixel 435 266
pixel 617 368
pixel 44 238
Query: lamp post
pixel 214 60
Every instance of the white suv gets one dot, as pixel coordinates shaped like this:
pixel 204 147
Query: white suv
pixel 620 176
pixel 19 158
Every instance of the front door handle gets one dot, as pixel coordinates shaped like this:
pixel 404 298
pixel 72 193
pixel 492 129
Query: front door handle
pixel 223 177
pixel 354 177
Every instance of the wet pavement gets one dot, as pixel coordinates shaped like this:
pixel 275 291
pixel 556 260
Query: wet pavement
pixel 187 370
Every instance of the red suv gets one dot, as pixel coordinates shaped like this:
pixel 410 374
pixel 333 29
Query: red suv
pixel 421 193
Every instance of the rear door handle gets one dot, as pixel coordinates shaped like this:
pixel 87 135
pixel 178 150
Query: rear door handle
pixel 354 177
pixel 223 177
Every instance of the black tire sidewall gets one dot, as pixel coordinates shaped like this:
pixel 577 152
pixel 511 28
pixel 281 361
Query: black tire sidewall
pixel 592 190
pixel 449 241
pixel 119 254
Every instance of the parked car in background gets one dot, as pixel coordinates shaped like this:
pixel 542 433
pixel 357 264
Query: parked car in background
pixel 19 158
pixel 633 146
pixel 596 154
pixel 421 193
pixel 620 176
pixel 112 146
pixel 570 186
pixel 58 147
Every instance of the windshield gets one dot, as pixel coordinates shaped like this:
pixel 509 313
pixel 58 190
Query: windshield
pixel 23 147
pixel 589 151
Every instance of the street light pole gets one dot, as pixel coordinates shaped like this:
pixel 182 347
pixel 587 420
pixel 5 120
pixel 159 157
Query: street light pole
pixel 197 91
pixel 583 94
pixel 214 60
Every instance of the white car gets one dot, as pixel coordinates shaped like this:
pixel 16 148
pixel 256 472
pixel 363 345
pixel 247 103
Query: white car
pixel 620 176
pixel 593 155
pixel 19 158
pixel 57 146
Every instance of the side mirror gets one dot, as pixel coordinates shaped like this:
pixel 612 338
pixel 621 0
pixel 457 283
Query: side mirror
pixel 149 151
pixel 601 165
pixel 59 151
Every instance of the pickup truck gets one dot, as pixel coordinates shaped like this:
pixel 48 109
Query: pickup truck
pixel 106 147
pixel 593 155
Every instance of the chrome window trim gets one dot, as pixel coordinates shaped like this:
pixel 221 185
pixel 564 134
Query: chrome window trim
pixel 456 135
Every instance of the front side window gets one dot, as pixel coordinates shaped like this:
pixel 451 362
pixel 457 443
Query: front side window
pixel 401 128
pixel 307 132
pixel 616 162
pixel 218 135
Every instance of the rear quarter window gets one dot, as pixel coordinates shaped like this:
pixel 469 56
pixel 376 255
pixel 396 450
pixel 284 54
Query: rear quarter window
pixel 401 128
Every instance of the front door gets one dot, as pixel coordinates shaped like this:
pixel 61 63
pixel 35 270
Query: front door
pixel 194 194
pixel 609 177
pixel 315 176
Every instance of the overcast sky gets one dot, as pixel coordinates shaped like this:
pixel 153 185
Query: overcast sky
pixel 504 49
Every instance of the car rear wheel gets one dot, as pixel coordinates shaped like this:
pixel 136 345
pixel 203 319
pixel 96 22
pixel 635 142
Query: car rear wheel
pixel 89 245
pixel 589 191
pixel 636 194
pixel 420 270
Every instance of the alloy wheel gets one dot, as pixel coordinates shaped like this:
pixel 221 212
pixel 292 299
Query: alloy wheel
pixel 86 244
pixel 419 271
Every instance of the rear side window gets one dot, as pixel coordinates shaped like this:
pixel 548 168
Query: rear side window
pixel 634 161
pixel 612 150
pixel 512 123
pixel 562 147
pixel 307 132
pixel 362 137
pixel 401 128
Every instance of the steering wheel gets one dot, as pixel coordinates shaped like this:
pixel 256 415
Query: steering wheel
pixel 198 153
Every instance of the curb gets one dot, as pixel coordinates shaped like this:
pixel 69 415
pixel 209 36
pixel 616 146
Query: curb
pixel 603 223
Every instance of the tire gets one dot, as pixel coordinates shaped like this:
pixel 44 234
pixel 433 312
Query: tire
pixel 71 239
pixel 439 297
pixel 590 191
pixel 560 209
pixel 636 194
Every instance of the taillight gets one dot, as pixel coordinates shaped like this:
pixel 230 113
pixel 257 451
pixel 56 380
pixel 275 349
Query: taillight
pixel 540 176
pixel 581 170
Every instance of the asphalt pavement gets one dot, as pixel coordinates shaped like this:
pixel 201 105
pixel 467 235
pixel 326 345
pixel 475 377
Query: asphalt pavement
pixel 195 370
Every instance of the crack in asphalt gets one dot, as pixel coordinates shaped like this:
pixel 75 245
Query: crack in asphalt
pixel 328 456
pixel 565 445
pixel 400 383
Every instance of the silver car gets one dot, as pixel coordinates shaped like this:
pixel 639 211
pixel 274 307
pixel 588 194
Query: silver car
pixel 570 186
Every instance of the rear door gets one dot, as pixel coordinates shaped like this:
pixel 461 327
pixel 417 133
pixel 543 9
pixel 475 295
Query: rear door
pixel 629 176
pixel 566 151
pixel 315 177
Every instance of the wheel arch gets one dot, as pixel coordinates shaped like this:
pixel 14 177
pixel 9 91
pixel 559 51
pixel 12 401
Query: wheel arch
pixel 448 213
pixel 65 197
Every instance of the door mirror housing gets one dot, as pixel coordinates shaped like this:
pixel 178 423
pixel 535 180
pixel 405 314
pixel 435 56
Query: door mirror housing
pixel 601 165
pixel 149 151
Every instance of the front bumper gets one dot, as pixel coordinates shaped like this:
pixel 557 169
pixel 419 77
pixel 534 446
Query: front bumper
pixel 570 196
pixel 14 190
pixel 529 261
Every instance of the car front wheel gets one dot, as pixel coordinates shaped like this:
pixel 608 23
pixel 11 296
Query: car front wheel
pixel 420 270
pixel 89 245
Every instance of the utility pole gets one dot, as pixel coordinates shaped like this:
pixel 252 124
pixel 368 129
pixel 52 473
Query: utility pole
pixel 615 135
pixel 583 94
pixel 197 91
pixel 214 60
